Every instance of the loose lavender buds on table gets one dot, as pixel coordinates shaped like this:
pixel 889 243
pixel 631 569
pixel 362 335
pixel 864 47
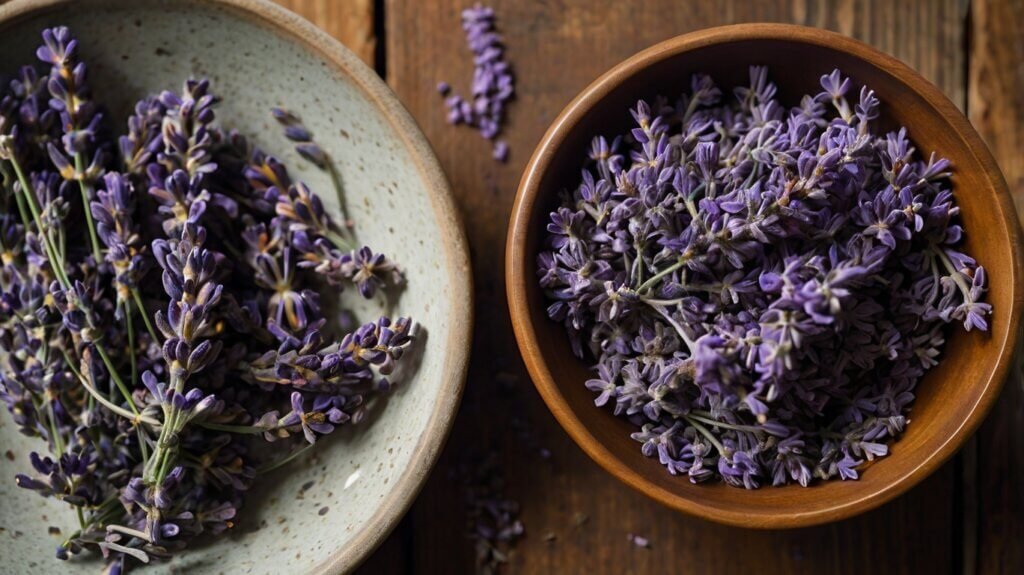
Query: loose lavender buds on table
pixel 161 316
pixel 760 286
pixel 493 84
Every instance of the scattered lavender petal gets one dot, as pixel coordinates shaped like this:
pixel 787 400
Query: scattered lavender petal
pixel 500 151
pixel 639 541
pixel 493 84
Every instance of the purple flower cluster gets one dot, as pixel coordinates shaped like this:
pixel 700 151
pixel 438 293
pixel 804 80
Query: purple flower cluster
pixel 761 287
pixel 493 84
pixel 160 309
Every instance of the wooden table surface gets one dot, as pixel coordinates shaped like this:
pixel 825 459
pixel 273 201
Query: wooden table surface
pixel 967 518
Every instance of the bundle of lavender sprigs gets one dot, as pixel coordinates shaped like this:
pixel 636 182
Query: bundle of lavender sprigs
pixel 761 288
pixel 160 315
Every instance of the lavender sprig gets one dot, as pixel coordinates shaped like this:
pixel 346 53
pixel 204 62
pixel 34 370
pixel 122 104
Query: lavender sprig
pixel 79 119
pixel 152 438
pixel 188 279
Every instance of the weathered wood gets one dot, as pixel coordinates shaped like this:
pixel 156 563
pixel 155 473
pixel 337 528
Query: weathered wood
pixel 995 107
pixel 350 21
pixel 557 48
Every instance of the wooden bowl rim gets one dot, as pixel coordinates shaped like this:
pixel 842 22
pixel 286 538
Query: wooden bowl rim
pixel 519 270
pixel 318 43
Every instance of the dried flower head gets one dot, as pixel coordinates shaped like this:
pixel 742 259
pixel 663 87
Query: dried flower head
pixel 760 287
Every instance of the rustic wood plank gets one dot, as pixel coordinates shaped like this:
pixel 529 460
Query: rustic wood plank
pixel 557 48
pixel 996 81
pixel 350 21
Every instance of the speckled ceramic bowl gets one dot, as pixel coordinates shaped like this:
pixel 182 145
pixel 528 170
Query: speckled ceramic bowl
pixel 326 513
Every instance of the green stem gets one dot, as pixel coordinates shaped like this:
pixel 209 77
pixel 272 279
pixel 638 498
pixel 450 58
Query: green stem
pixel 158 468
pixel 339 191
pixel 101 513
pixel 953 272
pixel 94 393
pixel 86 193
pixel 58 440
pixel 690 109
pixel 143 447
pixel 639 263
pixel 117 378
pixel 26 189
pixel 145 315
pixel 102 400
pixel 339 241
pixel 657 277
pixel 126 308
pixel 690 344
pixel 247 429
pixel 724 425
pixel 707 434
pixel 22 208
pixel 272 466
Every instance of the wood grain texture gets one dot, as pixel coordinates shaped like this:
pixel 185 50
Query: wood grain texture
pixel 350 21
pixel 557 48
pixel 995 107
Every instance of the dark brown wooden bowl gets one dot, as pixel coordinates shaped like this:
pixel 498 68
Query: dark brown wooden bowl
pixel 952 399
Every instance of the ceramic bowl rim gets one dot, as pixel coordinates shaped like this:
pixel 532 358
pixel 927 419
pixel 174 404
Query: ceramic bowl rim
pixel 319 44
pixel 519 267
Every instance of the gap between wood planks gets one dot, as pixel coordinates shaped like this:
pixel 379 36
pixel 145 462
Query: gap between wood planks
pixel 995 81
pixel 965 531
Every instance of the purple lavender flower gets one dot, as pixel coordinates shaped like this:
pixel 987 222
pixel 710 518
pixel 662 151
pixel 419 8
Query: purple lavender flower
pixel 153 435
pixel 69 90
pixel 370 271
pixel 295 131
pixel 113 214
pixel 493 84
pixel 312 422
pixel 144 139
pixel 760 287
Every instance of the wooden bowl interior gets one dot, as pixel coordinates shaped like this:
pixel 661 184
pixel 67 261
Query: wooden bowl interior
pixel 946 398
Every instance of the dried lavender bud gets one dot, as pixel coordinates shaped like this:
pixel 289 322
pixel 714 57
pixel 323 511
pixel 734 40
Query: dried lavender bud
pixel 760 287
pixel 639 541
pixel 145 137
pixel 493 83
pixel 187 138
pixel 69 90
pixel 500 150
pixel 154 435
pixel 113 214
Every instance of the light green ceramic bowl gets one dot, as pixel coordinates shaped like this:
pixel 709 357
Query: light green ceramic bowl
pixel 258 55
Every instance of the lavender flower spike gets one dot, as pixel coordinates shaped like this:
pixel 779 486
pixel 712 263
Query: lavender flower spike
pixel 761 287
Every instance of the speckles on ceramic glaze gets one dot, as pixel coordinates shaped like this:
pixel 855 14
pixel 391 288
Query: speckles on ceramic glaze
pixel 358 471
